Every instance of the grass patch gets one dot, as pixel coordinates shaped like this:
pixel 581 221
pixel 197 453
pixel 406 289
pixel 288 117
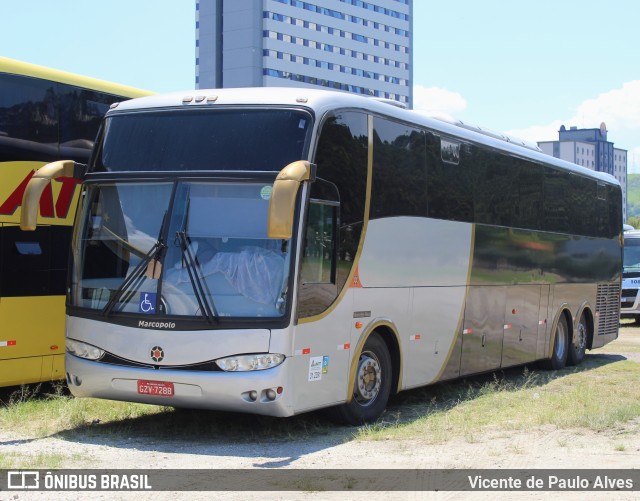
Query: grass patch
pixel 47 409
pixel 594 397
pixel 39 412
pixel 14 460
pixel 600 395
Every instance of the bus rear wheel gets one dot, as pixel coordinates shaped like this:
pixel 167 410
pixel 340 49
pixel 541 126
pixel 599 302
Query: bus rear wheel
pixel 578 346
pixel 372 384
pixel 560 346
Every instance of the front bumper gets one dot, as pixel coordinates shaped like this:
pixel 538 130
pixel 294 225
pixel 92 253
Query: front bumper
pixel 226 391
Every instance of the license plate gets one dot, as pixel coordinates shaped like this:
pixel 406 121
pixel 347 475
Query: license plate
pixel 160 388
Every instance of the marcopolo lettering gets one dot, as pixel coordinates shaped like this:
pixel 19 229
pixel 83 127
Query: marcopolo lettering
pixel 156 325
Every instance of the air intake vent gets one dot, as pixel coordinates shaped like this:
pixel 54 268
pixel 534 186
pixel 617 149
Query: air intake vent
pixel 608 309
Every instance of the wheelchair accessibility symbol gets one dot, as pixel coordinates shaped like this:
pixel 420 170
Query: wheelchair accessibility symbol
pixel 147 303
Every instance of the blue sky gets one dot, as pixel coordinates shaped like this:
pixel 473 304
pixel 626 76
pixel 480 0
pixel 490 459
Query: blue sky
pixel 511 65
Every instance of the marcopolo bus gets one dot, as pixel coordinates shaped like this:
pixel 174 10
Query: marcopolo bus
pixel 45 115
pixel 281 250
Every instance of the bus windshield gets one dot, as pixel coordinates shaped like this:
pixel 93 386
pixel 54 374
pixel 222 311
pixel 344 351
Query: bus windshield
pixel 197 140
pixel 197 249
pixel 632 254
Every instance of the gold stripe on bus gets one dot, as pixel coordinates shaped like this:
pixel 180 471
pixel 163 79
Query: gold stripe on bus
pixel 464 303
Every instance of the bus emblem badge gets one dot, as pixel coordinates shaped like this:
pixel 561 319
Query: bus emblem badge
pixel 157 354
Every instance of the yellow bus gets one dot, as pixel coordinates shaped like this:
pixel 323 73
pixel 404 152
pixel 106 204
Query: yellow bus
pixel 45 115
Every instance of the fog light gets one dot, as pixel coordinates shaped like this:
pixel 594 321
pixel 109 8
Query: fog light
pixel 253 395
pixel 271 394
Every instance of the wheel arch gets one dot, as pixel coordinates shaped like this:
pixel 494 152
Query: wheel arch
pixel 389 334
pixel 586 311
pixel 562 311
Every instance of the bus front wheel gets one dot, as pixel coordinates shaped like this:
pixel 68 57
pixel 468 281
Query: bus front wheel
pixel 372 384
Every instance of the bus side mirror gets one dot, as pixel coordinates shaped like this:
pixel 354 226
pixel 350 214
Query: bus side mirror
pixel 38 183
pixel 283 198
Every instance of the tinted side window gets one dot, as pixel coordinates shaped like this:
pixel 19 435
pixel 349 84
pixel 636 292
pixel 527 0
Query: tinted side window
pixel 399 181
pixel 556 201
pixel 28 119
pixel 26 262
pixel 582 204
pixel 449 183
pixel 530 196
pixel 495 183
pixel 81 111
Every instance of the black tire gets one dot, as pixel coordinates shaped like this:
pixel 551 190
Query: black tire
pixel 560 346
pixel 578 345
pixel 372 385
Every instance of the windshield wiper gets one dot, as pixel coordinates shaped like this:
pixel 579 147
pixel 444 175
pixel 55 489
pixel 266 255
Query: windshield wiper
pixel 137 275
pixel 200 289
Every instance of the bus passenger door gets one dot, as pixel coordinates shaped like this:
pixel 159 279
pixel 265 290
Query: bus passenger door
pixel 321 341
pixel 483 328
pixel 521 324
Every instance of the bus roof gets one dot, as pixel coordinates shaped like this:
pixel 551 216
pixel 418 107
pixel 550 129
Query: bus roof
pixel 322 101
pixel 15 67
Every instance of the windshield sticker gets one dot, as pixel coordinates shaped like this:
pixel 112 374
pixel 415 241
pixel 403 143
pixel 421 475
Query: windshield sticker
pixel 302 124
pixel 315 368
pixel 265 192
pixel 325 365
pixel 147 303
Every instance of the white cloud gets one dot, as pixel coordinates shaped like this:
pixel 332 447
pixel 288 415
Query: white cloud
pixel 619 109
pixel 434 100
pixel 633 160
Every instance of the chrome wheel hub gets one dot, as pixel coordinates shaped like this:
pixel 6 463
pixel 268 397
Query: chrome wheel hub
pixel 368 379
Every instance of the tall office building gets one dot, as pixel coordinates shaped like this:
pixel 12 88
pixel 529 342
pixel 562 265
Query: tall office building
pixel 357 46
pixel 590 148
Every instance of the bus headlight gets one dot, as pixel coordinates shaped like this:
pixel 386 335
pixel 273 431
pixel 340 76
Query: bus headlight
pixel 244 363
pixel 84 350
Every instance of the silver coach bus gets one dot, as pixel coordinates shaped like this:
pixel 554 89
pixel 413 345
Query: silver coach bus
pixel 276 251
